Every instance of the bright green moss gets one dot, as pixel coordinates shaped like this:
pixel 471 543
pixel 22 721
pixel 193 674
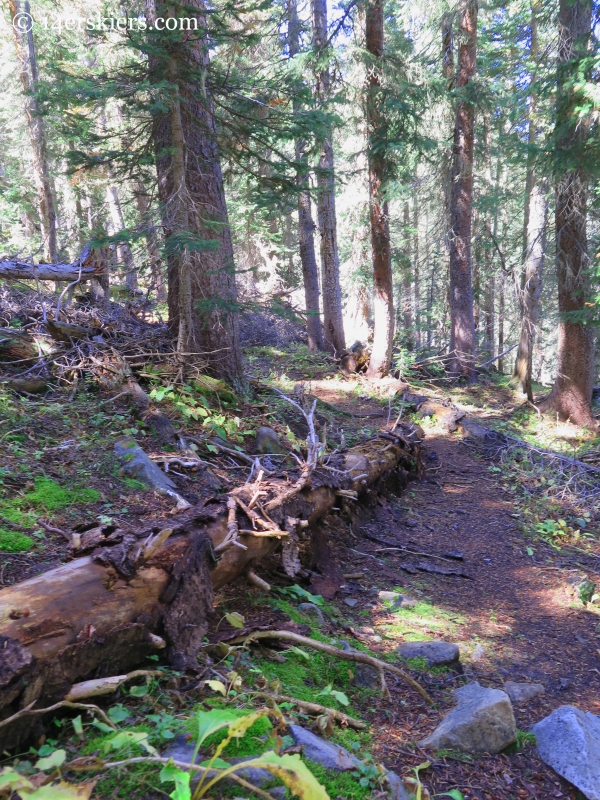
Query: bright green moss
pixel 14 542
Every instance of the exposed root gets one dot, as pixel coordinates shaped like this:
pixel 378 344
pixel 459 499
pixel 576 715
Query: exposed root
pixel 100 686
pixel 315 708
pixel 29 710
pixel 255 580
pixel 345 655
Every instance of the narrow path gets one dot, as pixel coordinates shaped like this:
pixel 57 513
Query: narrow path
pixel 514 620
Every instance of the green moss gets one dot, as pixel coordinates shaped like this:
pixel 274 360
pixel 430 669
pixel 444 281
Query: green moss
pixel 46 496
pixel 256 740
pixel 14 542
pixel 339 784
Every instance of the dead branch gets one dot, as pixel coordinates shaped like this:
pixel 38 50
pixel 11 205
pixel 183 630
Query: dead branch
pixel 316 708
pixel 345 655
pixel 29 710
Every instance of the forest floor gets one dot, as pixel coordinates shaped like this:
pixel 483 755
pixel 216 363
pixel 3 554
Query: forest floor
pixel 510 607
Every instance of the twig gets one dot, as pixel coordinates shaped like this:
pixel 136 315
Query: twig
pixel 52 529
pixel 316 708
pixel 495 358
pixel 63 704
pixel 361 658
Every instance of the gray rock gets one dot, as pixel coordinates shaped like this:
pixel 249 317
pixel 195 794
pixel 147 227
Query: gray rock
pixel 267 441
pixel 397 790
pixel 522 692
pixel 437 653
pixel 364 674
pixel 398 600
pixel 329 755
pixel 136 464
pixel 350 601
pixel 482 722
pixel 314 611
pixel 255 775
pixel 179 749
pixel 568 740
pixel 278 793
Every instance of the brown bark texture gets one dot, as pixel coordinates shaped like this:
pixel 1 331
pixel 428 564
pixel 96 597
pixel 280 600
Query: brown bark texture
pixel 407 285
pixel 37 131
pixel 306 225
pixel 462 333
pixel 383 292
pixel 213 328
pixel 571 395
pixel 333 323
pixel 100 613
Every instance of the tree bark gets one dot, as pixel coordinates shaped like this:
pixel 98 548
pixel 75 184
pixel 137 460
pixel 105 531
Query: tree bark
pixel 142 200
pixel 534 245
pixel 383 292
pixel 416 270
pixel 333 323
pixel 37 132
pixel 94 616
pixel 571 394
pixel 86 268
pixel 407 308
pixel 306 226
pixel 124 253
pixel 462 334
pixel 214 328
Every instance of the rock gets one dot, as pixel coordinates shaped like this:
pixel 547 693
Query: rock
pixel 522 692
pixel 446 417
pixel 314 611
pixel 437 653
pixel 136 464
pixel 350 601
pixel 327 754
pixel 399 600
pixel 364 674
pixel 278 792
pixel 568 740
pixel 397 790
pixel 180 749
pixel 580 588
pixel 267 441
pixel 478 653
pixel 255 775
pixel 482 722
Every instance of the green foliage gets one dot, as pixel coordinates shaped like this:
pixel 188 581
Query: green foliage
pixel 14 542
pixel 340 784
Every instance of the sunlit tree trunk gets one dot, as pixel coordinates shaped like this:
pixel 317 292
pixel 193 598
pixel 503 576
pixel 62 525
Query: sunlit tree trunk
pixel 534 232
pixel 571 394
pixel 416 270
pixel 123 249
pixel 407 309
pixel 383 296
pixel 462 334
pixel 306 226
pixel 37 132
pixel 333 323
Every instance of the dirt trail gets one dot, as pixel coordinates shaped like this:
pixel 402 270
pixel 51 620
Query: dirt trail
pixel 513 620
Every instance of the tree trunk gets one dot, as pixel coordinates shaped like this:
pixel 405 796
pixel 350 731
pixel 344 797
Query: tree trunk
pixel 213 329
pixel 306 226
pixel 141 582
pixel 85 268
pixel 417 270
pixel 407 311
pixel 124 253
pixel 142 200
pixel 383 293
pixel 37 132
pixel 462 335
pixel 534 245
pixel 571 395
pixel 333 322
pixel 501 312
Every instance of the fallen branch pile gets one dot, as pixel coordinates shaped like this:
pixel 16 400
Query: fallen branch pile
pixel 129 591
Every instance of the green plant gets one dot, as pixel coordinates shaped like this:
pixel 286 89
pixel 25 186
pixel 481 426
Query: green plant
pixel 14 542
pixel 524 738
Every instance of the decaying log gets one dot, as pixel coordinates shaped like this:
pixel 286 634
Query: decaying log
pixel 16 345
pixel 101 614
pixel 86 267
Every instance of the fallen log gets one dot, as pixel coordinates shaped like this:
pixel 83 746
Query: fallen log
pixel 86 267
pixel 102 614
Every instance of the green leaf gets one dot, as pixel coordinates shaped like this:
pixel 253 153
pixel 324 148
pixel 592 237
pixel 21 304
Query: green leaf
pixel 52 761
pixel 340 697
pixel 78 725
pixel 13 781
pixel 61 791
pixel 181 779
pixel 217 763
pixel 455 794
pixel 124 738
pixel 291 771
pixel 138 691
pixel 214 720
pixel 235 619
pixel 529 551
pixel 102 726
pixel 298 651
pixel 118 713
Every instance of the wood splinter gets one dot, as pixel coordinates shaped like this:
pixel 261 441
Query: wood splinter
pixel 254 579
